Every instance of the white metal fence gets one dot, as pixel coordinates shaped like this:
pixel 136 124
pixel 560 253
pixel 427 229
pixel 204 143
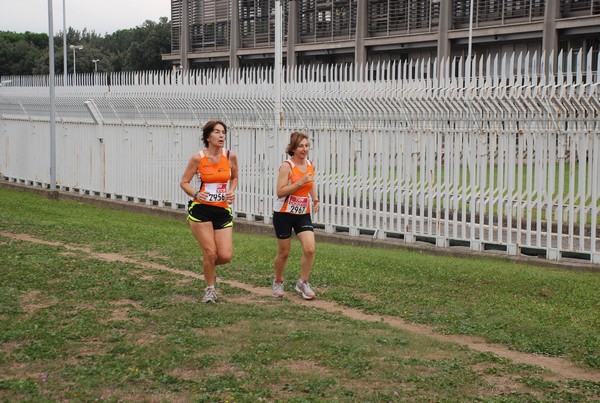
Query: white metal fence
pixel 507 159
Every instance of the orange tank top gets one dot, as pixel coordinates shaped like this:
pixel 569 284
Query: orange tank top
pixel 297 202
pixel 213 179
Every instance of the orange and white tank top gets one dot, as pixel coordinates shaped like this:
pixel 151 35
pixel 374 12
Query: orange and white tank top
pixel 213 179
pixel 297 202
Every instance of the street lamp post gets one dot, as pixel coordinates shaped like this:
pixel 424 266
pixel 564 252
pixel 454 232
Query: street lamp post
pixel 95 61
pixel 51 84
pixel 64 44
pixel 75 47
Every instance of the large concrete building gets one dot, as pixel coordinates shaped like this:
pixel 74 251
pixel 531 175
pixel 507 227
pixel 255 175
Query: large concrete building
pixel 239 33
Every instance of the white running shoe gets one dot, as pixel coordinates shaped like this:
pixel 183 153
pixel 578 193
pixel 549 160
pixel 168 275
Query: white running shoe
pixel 210 295
pixel 278 289
pixel 303 287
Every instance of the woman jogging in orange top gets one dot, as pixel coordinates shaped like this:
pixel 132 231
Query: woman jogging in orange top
pixel 291 210
pixel 209 212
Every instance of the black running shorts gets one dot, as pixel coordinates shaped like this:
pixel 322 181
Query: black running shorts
pixel 219 216
pixel 284 222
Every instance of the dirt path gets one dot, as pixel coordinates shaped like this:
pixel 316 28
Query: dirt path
pixel 558 366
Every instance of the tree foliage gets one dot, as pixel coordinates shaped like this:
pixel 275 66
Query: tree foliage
pixel 138 48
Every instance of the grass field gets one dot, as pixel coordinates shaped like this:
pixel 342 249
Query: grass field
pixel 100 304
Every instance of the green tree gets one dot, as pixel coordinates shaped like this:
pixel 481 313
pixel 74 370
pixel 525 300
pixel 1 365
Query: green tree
pixel 138 48
pixel 20 53
pixel 146 44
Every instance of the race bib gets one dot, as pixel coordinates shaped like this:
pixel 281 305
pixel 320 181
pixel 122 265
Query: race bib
pixel 297 205
pixel 217 192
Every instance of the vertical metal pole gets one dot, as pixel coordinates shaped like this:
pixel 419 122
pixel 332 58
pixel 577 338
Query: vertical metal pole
pixel 52 99
pixel 277 69
pixel 277 112
pixel 64 44
pixel 74 67
pixel 468 67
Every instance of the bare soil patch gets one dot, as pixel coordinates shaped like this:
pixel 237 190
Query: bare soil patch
pixel 32 301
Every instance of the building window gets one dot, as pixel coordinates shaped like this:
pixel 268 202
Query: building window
pixel 397 17
pixel 579 8
pixel 326 20
pixel 209 24
pixel 496 12
pixel 257 22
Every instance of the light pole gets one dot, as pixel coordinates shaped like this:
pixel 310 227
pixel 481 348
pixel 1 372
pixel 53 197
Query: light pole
pixel 95 61
pixel 52 98
pixel 64 44
pixel 75 47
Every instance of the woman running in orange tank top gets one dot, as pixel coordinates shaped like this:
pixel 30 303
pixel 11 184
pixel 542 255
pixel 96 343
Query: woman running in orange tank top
pixel 296 195
pixel 209 212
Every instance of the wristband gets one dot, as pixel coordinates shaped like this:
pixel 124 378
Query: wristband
pixel 196 194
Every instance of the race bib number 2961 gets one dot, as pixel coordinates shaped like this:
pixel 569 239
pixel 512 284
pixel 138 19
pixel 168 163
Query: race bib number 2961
pixel 297 205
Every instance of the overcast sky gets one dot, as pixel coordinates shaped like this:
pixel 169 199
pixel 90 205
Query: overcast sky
pixel 102 16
